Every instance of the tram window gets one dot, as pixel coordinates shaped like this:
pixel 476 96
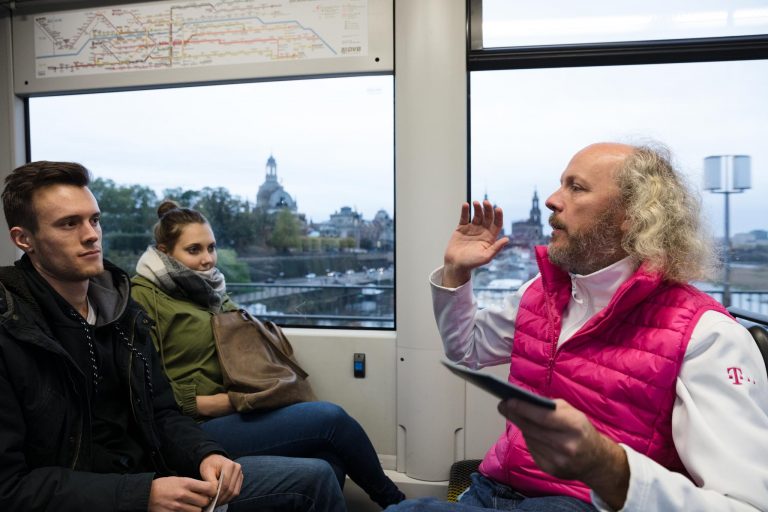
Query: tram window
pixel 508 23
pixel 526 124
pixel 296 178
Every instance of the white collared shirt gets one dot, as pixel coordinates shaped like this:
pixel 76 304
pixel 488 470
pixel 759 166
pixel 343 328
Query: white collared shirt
pixel 720 415
pixel 91 316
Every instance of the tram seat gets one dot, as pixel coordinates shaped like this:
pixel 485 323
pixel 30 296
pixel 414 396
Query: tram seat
pixel 458 478
pixel 757 325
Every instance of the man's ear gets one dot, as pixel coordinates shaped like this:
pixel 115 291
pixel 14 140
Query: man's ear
pixel 623 220
pixel 625 225
pixel 22 239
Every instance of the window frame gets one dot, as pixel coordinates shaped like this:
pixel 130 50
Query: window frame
pixel 666 51
pixel 379 61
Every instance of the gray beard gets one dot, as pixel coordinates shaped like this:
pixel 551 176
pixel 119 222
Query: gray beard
pixel 591 250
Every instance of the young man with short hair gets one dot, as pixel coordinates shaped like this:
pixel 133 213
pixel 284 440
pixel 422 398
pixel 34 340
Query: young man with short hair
pixel 87 418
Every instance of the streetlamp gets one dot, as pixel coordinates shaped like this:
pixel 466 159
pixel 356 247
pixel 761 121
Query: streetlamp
pixel 727 174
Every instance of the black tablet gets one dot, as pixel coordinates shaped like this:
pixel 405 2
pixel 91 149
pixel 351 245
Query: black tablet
pixel 498 387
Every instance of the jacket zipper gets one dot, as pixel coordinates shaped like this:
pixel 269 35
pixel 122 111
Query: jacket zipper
pixel 79 442
pixel 550 335
pixel 130 337
pixel 130 372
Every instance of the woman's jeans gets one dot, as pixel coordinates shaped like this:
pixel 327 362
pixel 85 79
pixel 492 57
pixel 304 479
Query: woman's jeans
pixel 486 494
pixel 287 485
pixel 309 429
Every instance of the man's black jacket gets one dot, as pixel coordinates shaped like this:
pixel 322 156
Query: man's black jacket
pixel 45 421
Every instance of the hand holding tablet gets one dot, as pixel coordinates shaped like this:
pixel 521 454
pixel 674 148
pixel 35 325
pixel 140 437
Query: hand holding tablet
pixel 500 388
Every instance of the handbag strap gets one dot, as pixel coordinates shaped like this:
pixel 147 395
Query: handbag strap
pixel 269 336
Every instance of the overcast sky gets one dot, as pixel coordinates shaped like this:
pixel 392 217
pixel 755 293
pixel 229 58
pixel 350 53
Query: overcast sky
pixel 507 23
pixel 527 124
pixel 333 138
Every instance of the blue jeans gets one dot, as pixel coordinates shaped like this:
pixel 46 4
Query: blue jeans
pixel 287 484
pixel 485 494
pixel 320 430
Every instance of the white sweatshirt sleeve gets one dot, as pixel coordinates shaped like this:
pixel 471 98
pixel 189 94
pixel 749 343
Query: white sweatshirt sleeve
pixel 719 426
pixel 473 337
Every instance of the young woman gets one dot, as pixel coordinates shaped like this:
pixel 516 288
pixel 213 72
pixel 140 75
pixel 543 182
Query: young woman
pixel 178 284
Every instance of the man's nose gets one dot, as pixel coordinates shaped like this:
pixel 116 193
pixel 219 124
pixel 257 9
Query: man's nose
pixel 553 202
pixel 91 233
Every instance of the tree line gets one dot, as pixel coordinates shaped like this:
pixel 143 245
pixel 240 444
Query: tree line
pixel 130 211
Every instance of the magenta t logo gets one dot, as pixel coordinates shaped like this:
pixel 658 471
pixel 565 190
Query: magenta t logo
pixel 734 374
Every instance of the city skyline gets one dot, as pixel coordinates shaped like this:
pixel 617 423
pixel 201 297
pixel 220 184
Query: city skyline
pixel 252 202
pixel 333 138
pixel 527 124
pixel 320 131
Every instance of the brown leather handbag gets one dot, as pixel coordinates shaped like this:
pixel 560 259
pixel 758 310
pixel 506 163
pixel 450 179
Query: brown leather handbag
pixel 257 362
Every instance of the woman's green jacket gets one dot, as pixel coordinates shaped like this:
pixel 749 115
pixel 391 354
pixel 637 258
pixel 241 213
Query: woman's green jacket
pixel 184 340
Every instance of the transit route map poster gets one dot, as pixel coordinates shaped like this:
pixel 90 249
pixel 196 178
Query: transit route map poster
pixel 183 34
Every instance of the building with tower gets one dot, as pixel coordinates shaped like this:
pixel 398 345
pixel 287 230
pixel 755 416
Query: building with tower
pixel 272 197
pixel 530 232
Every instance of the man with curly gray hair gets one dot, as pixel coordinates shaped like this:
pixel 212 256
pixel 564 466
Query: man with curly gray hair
pixel 661 396
pixel 662 227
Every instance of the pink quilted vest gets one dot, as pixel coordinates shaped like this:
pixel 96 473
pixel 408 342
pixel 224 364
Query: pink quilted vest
pixel 619 369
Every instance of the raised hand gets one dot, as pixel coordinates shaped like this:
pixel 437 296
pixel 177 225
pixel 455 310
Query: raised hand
pixel 474 242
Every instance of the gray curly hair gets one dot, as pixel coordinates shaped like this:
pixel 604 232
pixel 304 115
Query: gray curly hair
pixel 665 229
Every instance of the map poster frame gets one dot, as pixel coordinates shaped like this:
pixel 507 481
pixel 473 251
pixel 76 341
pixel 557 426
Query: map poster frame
pixel 175 43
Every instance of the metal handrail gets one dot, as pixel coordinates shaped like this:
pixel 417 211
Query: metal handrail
pixel 755 301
